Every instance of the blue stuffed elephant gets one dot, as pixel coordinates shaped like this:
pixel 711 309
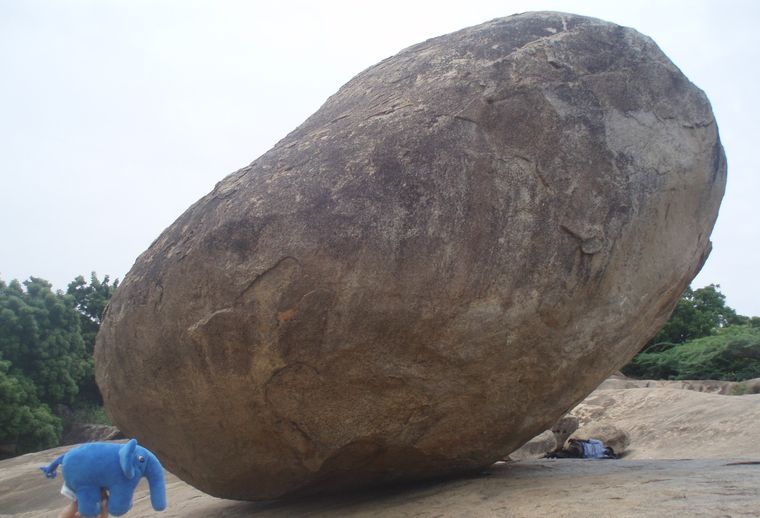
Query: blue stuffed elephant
pixel 115 467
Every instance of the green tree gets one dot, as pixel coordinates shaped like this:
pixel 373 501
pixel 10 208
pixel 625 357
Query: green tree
pixel 732 354
pixel 46 345
pixel 40 337
pixel 698 313
pixel 91 301
pixel 25 423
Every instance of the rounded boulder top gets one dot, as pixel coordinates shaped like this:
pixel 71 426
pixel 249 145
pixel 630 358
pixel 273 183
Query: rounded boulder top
pixel 460 245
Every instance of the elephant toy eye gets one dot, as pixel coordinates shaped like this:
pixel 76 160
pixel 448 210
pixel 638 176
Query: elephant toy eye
pixel 141 458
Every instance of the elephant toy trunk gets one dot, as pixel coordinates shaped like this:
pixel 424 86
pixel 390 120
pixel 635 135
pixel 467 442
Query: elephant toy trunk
pixel 155 475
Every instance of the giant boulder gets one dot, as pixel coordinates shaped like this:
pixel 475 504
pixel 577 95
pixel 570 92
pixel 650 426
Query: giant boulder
pixel 451 253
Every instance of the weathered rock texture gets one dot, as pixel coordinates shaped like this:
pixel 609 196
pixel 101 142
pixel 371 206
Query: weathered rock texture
pixel 563 428
pixel 536 448
pixel 460 245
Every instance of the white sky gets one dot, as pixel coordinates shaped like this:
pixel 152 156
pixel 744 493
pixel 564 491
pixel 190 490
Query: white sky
pixel 115 116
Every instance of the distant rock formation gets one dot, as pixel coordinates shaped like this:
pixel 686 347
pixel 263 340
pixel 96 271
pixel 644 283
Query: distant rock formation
pixel 731 388
pixel 79 433
pixel 460 245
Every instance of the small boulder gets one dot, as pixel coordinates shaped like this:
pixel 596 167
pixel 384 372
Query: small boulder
pixel 536 448
pixel 564 427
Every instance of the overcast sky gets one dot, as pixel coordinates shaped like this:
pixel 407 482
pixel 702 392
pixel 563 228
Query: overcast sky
pixel 115 116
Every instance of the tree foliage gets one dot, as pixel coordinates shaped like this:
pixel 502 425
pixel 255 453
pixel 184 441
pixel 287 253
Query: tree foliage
pixel 698 313
pixel 90 301
pixel 24 422
pixel 732 354
pixel 40 337
pixel 46 345
pixel 704 339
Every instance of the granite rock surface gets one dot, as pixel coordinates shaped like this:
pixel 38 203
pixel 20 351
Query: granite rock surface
pixel 458 247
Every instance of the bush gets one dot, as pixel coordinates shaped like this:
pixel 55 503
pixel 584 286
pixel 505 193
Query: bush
pixel 733 354
pixel 25 423
pixel 46 344
pixel 40 337
pixel 699 313
pixel 90 414
pixel 740 389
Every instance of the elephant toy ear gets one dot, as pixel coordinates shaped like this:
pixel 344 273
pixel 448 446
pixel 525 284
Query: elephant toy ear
pixel 126 454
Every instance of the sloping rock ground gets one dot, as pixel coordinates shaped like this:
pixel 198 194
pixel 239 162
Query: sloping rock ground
pixel 691 454
pixel 667 423
pixel 619 381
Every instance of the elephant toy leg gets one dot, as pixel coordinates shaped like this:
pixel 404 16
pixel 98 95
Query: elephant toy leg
pixel 120 500
pixel 88 501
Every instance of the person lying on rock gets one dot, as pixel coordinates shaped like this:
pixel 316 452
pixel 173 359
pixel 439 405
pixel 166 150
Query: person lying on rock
pixel 583 449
